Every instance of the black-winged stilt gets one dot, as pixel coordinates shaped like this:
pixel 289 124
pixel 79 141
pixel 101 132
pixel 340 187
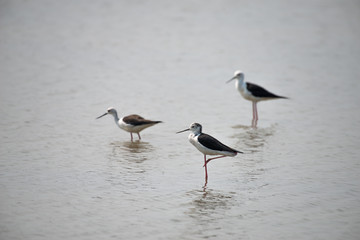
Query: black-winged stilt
pixel 208 145
pixel 253 93
pixel 132 123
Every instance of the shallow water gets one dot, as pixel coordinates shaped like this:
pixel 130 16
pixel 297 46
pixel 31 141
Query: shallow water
pixel 66 175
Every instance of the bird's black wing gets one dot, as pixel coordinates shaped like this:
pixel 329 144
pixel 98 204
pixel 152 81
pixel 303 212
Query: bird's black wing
pixel 212 143
pixel 137 120
pixel 258 91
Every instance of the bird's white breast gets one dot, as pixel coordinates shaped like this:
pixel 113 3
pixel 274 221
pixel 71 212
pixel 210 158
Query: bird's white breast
pixel 128 127
pixel 241 87
pixel 132 128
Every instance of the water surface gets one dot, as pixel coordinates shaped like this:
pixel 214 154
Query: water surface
pixel 65 175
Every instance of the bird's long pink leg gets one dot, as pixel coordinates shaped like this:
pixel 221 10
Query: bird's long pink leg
pixel 253 119
pixel 139 135
pixel 207 161
pixel 206 174
pixel 256 112
pixel 256 115
pixel 131 136
pixel 253 108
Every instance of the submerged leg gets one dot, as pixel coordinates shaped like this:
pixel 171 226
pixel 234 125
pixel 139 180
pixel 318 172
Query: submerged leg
pixel 139 135
pixel 131 136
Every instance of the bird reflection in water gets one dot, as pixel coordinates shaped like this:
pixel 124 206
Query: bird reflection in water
pixel 132 151
pixel 207 201
pixel 205 210
pixel 253 139
pixel 128 158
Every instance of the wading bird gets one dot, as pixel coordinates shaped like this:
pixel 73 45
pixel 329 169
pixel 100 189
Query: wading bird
pixel 208 145
pixel 132 123
pixel 253 93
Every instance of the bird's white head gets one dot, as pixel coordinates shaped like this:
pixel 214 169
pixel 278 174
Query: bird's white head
pixel 195 128
pixel 238 75
pixel 110 111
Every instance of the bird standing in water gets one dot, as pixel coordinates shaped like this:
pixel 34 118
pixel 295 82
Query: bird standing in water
pixel 132 123
pixel 253 93
pixel 208 145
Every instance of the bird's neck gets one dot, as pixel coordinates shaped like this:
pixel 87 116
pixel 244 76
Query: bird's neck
pixel 240 83
pixel 194 134
pixel 116 118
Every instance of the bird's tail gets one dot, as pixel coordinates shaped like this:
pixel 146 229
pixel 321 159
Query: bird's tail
pixel 237 151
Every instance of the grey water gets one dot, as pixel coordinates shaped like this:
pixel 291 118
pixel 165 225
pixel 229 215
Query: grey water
pixel 65 175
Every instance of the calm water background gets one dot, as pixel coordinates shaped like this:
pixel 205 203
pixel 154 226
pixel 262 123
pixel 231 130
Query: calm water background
pixel 65 175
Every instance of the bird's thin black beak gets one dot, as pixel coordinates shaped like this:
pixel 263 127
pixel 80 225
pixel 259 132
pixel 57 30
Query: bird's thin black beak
pixel 184 130
pixel 231 79
pixel 102 115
